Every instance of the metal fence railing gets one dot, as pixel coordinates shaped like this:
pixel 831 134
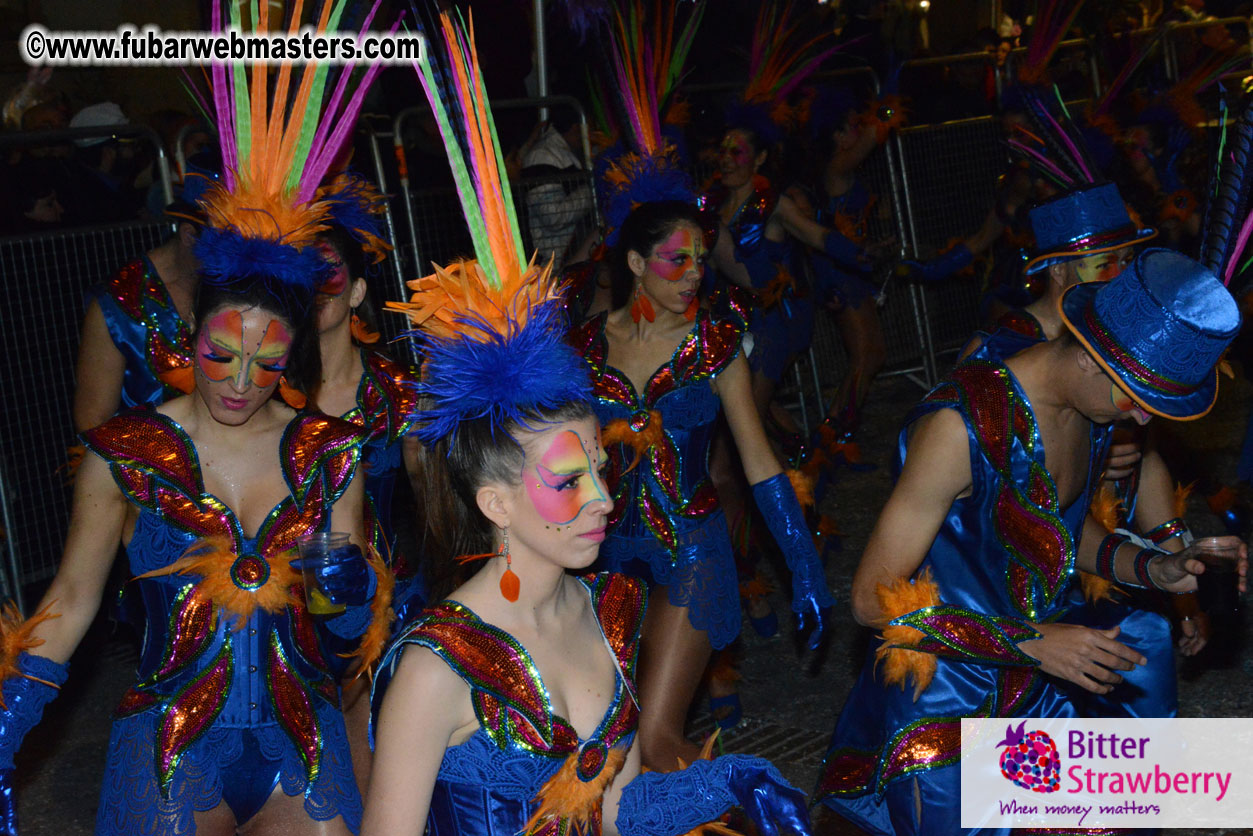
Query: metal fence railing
pixel 46 276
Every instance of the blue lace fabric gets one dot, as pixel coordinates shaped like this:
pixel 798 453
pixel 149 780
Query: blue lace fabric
pixel 666 526
pixel 848 214
pixel 488 784
pixel 784 328
pixel 224 707
pixel 145 326
pixel 884 740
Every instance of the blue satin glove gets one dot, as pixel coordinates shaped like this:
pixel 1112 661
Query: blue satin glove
pixel 847 253
pixel 672 803
pixel 24 701
pixel 345 577
pixel 956 259
pixel 777 502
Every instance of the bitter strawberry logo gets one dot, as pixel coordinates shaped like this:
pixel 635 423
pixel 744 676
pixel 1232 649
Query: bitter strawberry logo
pixel 1030 759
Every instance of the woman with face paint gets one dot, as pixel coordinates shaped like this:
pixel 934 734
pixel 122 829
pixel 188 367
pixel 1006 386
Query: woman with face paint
pixel 662 369
pixel 234 714
pixel 510 706
pixel 234 721
pixel 366 387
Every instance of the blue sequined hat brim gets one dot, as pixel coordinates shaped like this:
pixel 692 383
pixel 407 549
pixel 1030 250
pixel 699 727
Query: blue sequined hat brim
pixel 1188 407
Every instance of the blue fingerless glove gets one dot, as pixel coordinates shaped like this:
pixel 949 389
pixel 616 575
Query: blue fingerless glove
pixel 847 253
pixel 346 579
pixel 956 259
pixel 672 803
pixel 777 502
pixel 24 701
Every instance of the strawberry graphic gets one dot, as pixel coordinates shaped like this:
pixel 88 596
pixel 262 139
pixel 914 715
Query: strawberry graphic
pixel 1030 759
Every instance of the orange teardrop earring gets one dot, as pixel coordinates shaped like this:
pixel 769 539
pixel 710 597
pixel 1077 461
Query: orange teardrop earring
pixel 510 586
pixel 361 332
pixel 642 307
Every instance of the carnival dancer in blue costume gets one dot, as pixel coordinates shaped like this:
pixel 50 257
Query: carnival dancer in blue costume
pixel 135 344
pixel 663 368
pixel 761 221
pixel 1086 234
pixel 511 706
pixel 968 568
pixel 234 719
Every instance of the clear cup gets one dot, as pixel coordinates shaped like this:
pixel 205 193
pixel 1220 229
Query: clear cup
pixel 323 548
pixel 1218 586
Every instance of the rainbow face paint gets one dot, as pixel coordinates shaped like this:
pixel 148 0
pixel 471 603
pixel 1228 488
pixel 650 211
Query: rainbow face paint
pixel 679 254
pixel 229 349
pixel 1103 267
pixel 565 480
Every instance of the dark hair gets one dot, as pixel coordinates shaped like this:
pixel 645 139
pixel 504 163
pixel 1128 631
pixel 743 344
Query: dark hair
pixel 647 226
pixel 304 366
pixel 452 470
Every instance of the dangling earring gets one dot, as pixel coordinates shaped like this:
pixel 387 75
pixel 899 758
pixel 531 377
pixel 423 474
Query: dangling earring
pixel 510 586
pixel 642 307
pixel 361 332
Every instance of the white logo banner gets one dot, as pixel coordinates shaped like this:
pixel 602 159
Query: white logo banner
pixel 1074 772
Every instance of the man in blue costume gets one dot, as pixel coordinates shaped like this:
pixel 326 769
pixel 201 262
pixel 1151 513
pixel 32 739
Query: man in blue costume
pixel 969 568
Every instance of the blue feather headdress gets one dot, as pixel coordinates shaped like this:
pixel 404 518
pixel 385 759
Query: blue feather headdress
pixel 491 329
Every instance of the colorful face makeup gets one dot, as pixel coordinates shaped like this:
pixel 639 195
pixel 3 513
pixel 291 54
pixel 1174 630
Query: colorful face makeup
pixel 682 252
pixel 1103 266
pixel 231 348
pixel 566 478
pixel 1125 403
pixel 736 149
pixel 338 282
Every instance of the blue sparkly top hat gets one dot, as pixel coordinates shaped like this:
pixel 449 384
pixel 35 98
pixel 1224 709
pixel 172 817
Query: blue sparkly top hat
pixel 1159 329
pixel 1080 223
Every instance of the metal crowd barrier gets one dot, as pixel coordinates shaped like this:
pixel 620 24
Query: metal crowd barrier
pixel 50 273
pixel 47 275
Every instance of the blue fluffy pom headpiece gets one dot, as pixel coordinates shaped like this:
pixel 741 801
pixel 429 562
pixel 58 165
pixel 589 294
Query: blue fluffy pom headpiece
pixel 631 179
pixel 504 376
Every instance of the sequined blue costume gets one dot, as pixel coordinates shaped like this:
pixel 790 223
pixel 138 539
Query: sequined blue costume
pixel 146 328
pixel 1004 556
pixel 666 525
pixel 783 322
pixel 849 215
pixel 228 703
pixel 488 784
pixel 1149 690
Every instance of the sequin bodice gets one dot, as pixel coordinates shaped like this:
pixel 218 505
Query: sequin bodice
pixel 1024 565
pixel 488 784
pixel 748 225
pixel 227 640
pixel 387 406
pixel 147 329
pixel 668 493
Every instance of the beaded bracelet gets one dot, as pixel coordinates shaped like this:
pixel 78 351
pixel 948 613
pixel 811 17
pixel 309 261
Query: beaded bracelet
pixel 1105 554
pixel 1171 528
pixel 1140 564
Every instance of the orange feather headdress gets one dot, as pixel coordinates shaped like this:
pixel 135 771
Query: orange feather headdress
pixel 492 327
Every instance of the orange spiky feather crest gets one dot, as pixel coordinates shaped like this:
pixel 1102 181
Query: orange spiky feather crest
pixel 265 213
pixel 491 327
